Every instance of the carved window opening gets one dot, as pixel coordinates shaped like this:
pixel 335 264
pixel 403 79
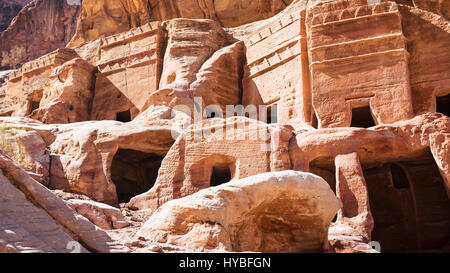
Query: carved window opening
pixel 35 101
pixel 220 174
pixel 399 177
pixel 210 114
pixel 272 114
pixel 134 172
pixel 443 105
pixel 124 116
pixel 362 118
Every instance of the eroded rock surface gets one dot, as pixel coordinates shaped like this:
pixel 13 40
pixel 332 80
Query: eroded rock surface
pixel 160 100
pixel 49 211
pixel 8 10
pixel 102 215
pixel 103 18
pixel 274 212
pixel 26 228
pixel 40 27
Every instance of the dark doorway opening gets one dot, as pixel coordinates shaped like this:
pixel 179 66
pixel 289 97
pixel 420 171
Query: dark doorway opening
pixel 35 101
pixel 220 174
pixel 399 177
pixel 315 121
pixel 409 204
pixel 210 114
pixel 272 114
pixel 325 168
pixel 362 118
pixel 34 106
pixel 124 116
pixel 443 105
pixel 134 172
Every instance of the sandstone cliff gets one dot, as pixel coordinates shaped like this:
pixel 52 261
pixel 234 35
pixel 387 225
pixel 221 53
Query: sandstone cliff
pixel 39 28
pixel 8 10
pixel 207 133
pixel 103 18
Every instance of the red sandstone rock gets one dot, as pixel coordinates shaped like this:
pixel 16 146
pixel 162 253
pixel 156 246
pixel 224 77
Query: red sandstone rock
pixel 274 212
pixel 27 148
pixel 324 65
pixel 102 215
pixel 103 18
pixel 51 209
pixel 216 151
pixel 8 10
pixel 40 27
pixel 83 153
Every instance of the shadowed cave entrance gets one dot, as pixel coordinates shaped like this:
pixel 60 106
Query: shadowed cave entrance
pixel 124 116
pixel 443 105
pixel 325 168
pixel 362 118
pixel 134 172
pixel 409 204
pixel 220 174
pixel 35 101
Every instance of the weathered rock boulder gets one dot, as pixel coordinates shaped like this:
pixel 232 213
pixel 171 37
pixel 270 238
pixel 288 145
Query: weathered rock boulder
pixel 345 239
pixel 96 158
pixel 102 215
pixel 195 69
pixel 274 212
pixel 27 228
pixel 216 151
pixel 34 219
pixel 26 148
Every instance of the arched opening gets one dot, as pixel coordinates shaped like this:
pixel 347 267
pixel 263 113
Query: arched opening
pixel 211 115
pixel 409 204
pixel 134 172
pixel 220 174
pixel 443 105
pixel 362 118
pixel 124 116
pixel 399 177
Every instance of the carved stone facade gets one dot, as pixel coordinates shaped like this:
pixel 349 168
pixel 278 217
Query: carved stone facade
pixel 216 151
pixel 358 59
pixel 26 86
pixel 360 90
pixel 129 71
pixel 277 68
